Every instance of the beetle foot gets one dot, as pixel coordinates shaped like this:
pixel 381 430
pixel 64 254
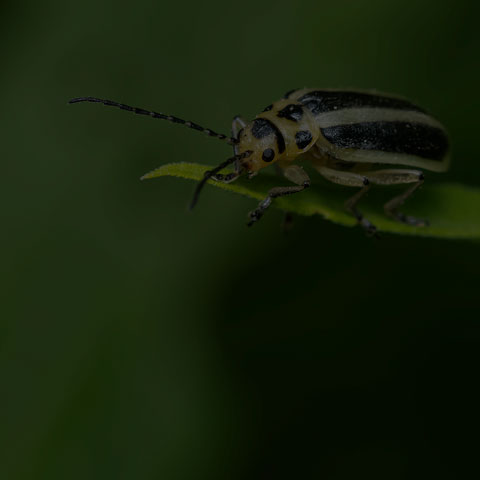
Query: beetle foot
pixel 369 228
pixel 254 216
pixel 408 220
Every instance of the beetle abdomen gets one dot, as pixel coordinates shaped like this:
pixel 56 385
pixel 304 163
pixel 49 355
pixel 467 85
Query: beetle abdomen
pixel 371 127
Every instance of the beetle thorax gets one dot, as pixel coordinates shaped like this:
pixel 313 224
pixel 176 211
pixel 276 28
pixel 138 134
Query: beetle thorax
pixel 282 131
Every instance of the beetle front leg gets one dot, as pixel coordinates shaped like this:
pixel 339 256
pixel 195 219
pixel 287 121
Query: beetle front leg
pixel 238 123
pixel 296 175
pixel 227 178
pixel 256 214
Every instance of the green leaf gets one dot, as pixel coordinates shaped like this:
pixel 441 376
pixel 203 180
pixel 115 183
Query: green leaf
pixel 453 210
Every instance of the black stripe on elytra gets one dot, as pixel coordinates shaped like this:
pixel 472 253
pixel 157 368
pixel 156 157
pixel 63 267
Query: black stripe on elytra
pixel 396 137
pixel 303 138
pixel 326 101
pixel 262 128
pixel 291 112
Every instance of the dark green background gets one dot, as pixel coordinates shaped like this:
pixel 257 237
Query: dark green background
pixel 140 341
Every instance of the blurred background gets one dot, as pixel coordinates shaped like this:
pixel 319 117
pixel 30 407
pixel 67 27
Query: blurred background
pixel 141 341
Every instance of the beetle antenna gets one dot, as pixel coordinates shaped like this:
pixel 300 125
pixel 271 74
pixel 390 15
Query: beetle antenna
pixel 161 116
pixel 211 173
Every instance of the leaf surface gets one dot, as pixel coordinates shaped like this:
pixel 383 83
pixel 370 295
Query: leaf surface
pixel 453 210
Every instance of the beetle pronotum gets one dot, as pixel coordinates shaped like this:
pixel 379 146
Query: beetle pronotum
pixel 346 135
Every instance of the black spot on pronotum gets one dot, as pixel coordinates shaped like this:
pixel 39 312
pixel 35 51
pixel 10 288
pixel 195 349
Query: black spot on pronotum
pixel 268 108
pixel 268 155
pixel 291 112
pixel 262 128
pixel 303 138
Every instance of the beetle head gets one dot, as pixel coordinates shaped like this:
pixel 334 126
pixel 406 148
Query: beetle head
pixel 265 142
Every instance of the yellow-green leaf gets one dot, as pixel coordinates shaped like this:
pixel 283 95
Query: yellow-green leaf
pixel 453 210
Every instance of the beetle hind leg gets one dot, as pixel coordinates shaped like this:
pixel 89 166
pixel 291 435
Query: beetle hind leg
pixel 379 177
pixel 395 177
pixel 391 207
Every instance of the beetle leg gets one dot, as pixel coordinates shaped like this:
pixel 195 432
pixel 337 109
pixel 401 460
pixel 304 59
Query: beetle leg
pixel 351 179
pixel 395 177
pixel 351 206
pixel 225 178
pixel 391 208
pixel 295 174
pixel 238 123
pixel 287 222
pixel 389 177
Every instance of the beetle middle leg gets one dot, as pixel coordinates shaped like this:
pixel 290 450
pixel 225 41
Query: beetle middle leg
pixel 351 179
pixel 351 206
pixel 295 174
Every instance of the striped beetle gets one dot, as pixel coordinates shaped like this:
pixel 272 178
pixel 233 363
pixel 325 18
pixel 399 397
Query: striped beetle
pixel 345 134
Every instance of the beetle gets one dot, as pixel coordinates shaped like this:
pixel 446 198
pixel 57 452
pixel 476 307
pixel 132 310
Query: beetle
pixel 349 136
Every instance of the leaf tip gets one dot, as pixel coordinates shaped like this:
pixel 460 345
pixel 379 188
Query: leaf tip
pixel 147 175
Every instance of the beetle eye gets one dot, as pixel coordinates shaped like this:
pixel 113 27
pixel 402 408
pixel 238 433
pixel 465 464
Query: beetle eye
pixel 268 155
